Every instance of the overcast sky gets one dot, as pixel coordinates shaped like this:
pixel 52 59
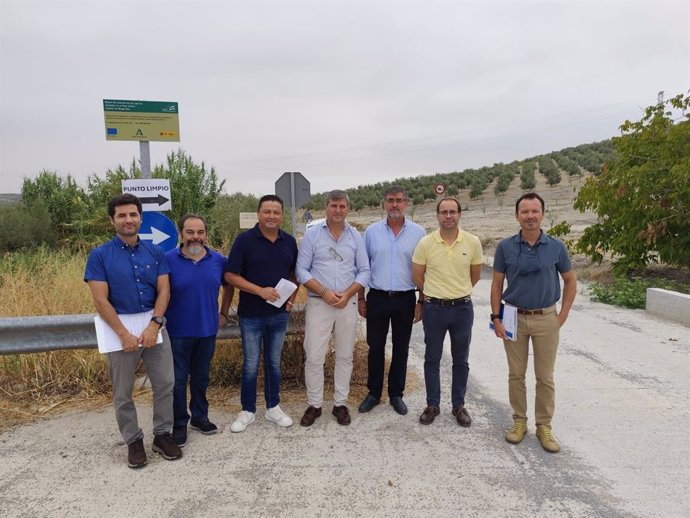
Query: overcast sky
pixel 347 92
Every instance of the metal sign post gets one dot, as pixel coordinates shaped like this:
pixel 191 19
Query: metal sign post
pixel 145 159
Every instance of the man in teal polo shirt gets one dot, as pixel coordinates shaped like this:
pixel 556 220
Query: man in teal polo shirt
pixel 532 261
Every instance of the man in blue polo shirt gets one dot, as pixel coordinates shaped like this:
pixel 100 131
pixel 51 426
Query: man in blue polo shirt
pixel 259 258
pixel 196 275
pixel 532 261
pixel 129 278
pixel 391 301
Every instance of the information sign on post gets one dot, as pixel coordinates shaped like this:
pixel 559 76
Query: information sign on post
pixel 154 194
pixel 295 190
pixel 141 120
pixel 247 220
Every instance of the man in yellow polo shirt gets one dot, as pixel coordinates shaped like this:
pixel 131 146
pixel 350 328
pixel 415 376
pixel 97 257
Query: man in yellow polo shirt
pixel 445 266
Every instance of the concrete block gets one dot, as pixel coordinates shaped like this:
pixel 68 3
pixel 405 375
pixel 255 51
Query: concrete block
pixel 669 305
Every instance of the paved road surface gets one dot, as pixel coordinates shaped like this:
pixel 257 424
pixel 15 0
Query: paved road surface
pixel 622 420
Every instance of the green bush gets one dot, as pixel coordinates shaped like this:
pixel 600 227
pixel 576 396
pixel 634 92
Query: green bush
pixel 23 227
pixel 631 292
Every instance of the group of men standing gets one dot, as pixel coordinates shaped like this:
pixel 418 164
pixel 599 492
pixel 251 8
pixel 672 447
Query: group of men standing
pixel 410 277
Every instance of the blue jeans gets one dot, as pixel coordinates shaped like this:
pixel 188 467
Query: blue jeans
pixel 192 358
pixel 265 333
pixel 457 321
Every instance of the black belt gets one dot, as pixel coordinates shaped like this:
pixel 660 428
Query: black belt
pixel 448 302
pixel 392 293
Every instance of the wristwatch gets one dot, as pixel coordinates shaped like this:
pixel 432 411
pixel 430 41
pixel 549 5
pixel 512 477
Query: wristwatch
pixel 494 317
pixel 159 320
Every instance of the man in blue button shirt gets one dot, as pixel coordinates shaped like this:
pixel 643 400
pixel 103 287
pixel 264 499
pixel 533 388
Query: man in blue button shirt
pixel 259 259
pixel 332 263
pixel 532 262
pixel 127 276
pixel 391 299
pixel 193 320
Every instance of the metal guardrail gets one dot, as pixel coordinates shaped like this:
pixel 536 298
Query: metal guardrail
pixel 22 335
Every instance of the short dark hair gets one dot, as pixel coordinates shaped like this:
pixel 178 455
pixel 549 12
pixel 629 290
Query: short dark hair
pixel 270 197
pixel 183 220
pixel 448 198
pixel 336 195
pixel 123 199
pixel 530 196
pixel 393 189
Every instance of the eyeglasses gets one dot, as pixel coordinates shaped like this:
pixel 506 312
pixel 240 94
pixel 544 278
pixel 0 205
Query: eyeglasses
pixel 395 200
pixel 449 212
pixel 335 255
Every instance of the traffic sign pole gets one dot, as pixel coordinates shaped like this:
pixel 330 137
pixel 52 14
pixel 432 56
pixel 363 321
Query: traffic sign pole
pixel 145 159
pixel 293 210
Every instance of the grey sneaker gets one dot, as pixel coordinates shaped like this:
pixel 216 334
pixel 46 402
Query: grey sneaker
pixel 165 445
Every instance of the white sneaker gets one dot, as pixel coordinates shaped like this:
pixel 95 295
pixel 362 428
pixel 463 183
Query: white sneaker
pixel 277 416
pixel 243 420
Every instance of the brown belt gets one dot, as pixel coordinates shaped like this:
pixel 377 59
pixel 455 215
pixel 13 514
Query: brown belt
pixel 530 311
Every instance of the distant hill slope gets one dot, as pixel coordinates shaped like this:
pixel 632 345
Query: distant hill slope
pixel 9 197
pixel 556 167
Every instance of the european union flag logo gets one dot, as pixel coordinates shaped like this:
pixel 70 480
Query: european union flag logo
pixel 112 131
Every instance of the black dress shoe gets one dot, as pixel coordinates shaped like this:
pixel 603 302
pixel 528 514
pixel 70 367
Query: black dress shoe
pixel 429 414
pixel 368 403
pixel 398 405
pixel 342 415
pixel 462 416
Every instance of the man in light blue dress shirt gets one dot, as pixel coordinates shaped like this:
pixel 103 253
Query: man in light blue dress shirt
pixel 391 300
pixel 332 263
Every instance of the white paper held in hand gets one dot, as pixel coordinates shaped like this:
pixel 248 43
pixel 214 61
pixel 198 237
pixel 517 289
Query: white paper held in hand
pixel 509 319
pixel 285 288
pixel 107 339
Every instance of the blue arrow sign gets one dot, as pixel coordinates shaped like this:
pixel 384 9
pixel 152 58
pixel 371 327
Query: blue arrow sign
pixel 159 229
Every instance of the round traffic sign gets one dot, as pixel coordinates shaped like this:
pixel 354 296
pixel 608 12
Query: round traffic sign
pixel 439 188
pixel 159 229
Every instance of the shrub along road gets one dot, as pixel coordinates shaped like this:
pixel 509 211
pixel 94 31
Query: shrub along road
pixel 622 419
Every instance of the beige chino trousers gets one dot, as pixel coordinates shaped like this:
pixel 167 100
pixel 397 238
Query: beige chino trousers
pixel 322 320
pixel 543 330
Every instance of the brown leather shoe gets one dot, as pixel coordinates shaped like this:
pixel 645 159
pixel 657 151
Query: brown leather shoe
pixel 429 414
pixel 165 445
pixel 136 455
pixel 342 414
pixel 310 415
pixel 462 416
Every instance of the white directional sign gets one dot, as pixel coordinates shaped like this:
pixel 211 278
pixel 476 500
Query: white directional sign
pixel 156 236
pixel 154 193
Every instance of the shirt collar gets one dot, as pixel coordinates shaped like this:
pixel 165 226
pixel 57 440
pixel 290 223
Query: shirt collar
pixel 439 239
pixel 182 256
pixel 121 244
pixel 259 235
pixel 543 238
